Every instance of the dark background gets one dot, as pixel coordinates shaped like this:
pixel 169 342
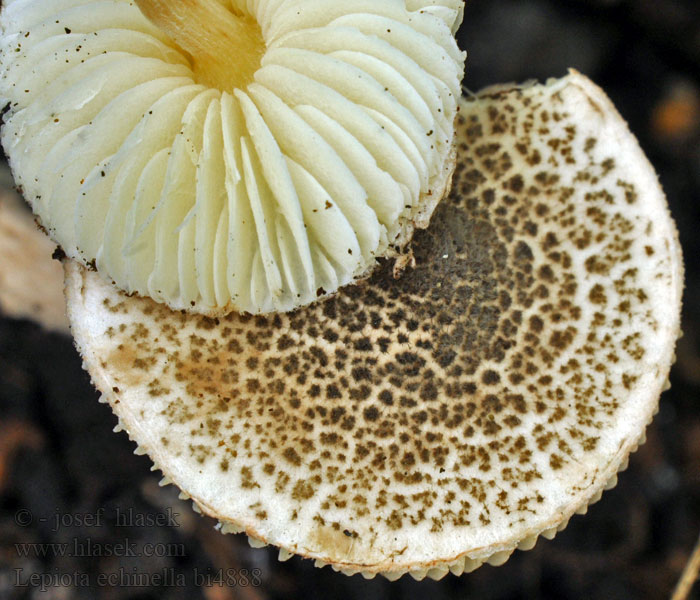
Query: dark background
pixel 58 454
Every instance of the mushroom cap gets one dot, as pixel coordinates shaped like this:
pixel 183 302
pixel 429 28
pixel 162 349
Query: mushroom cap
pixel 259 198
pixel 440 420
pixel 31 284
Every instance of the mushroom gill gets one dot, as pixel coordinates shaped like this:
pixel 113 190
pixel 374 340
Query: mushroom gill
pixel 218 156
pixel 431 423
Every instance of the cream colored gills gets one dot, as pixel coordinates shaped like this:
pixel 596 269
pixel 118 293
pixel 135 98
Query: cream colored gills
pixel 340 39
pixel 277 185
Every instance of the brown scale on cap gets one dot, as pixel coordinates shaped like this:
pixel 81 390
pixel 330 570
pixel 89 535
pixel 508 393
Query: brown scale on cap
pixel 481 398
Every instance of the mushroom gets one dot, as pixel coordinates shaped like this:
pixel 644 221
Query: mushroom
pixel 218 155
pixel 438 421
pixel 31 284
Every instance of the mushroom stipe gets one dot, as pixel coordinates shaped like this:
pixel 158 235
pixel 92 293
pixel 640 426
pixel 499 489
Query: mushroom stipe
pixel 438 421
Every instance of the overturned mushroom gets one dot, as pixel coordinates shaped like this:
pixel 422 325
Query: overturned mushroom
pixel 220 156
pixel 439 421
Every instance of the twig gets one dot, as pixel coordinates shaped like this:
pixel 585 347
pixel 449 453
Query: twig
pixel 689 576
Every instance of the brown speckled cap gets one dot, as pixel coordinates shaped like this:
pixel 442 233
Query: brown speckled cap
pixel 438 421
